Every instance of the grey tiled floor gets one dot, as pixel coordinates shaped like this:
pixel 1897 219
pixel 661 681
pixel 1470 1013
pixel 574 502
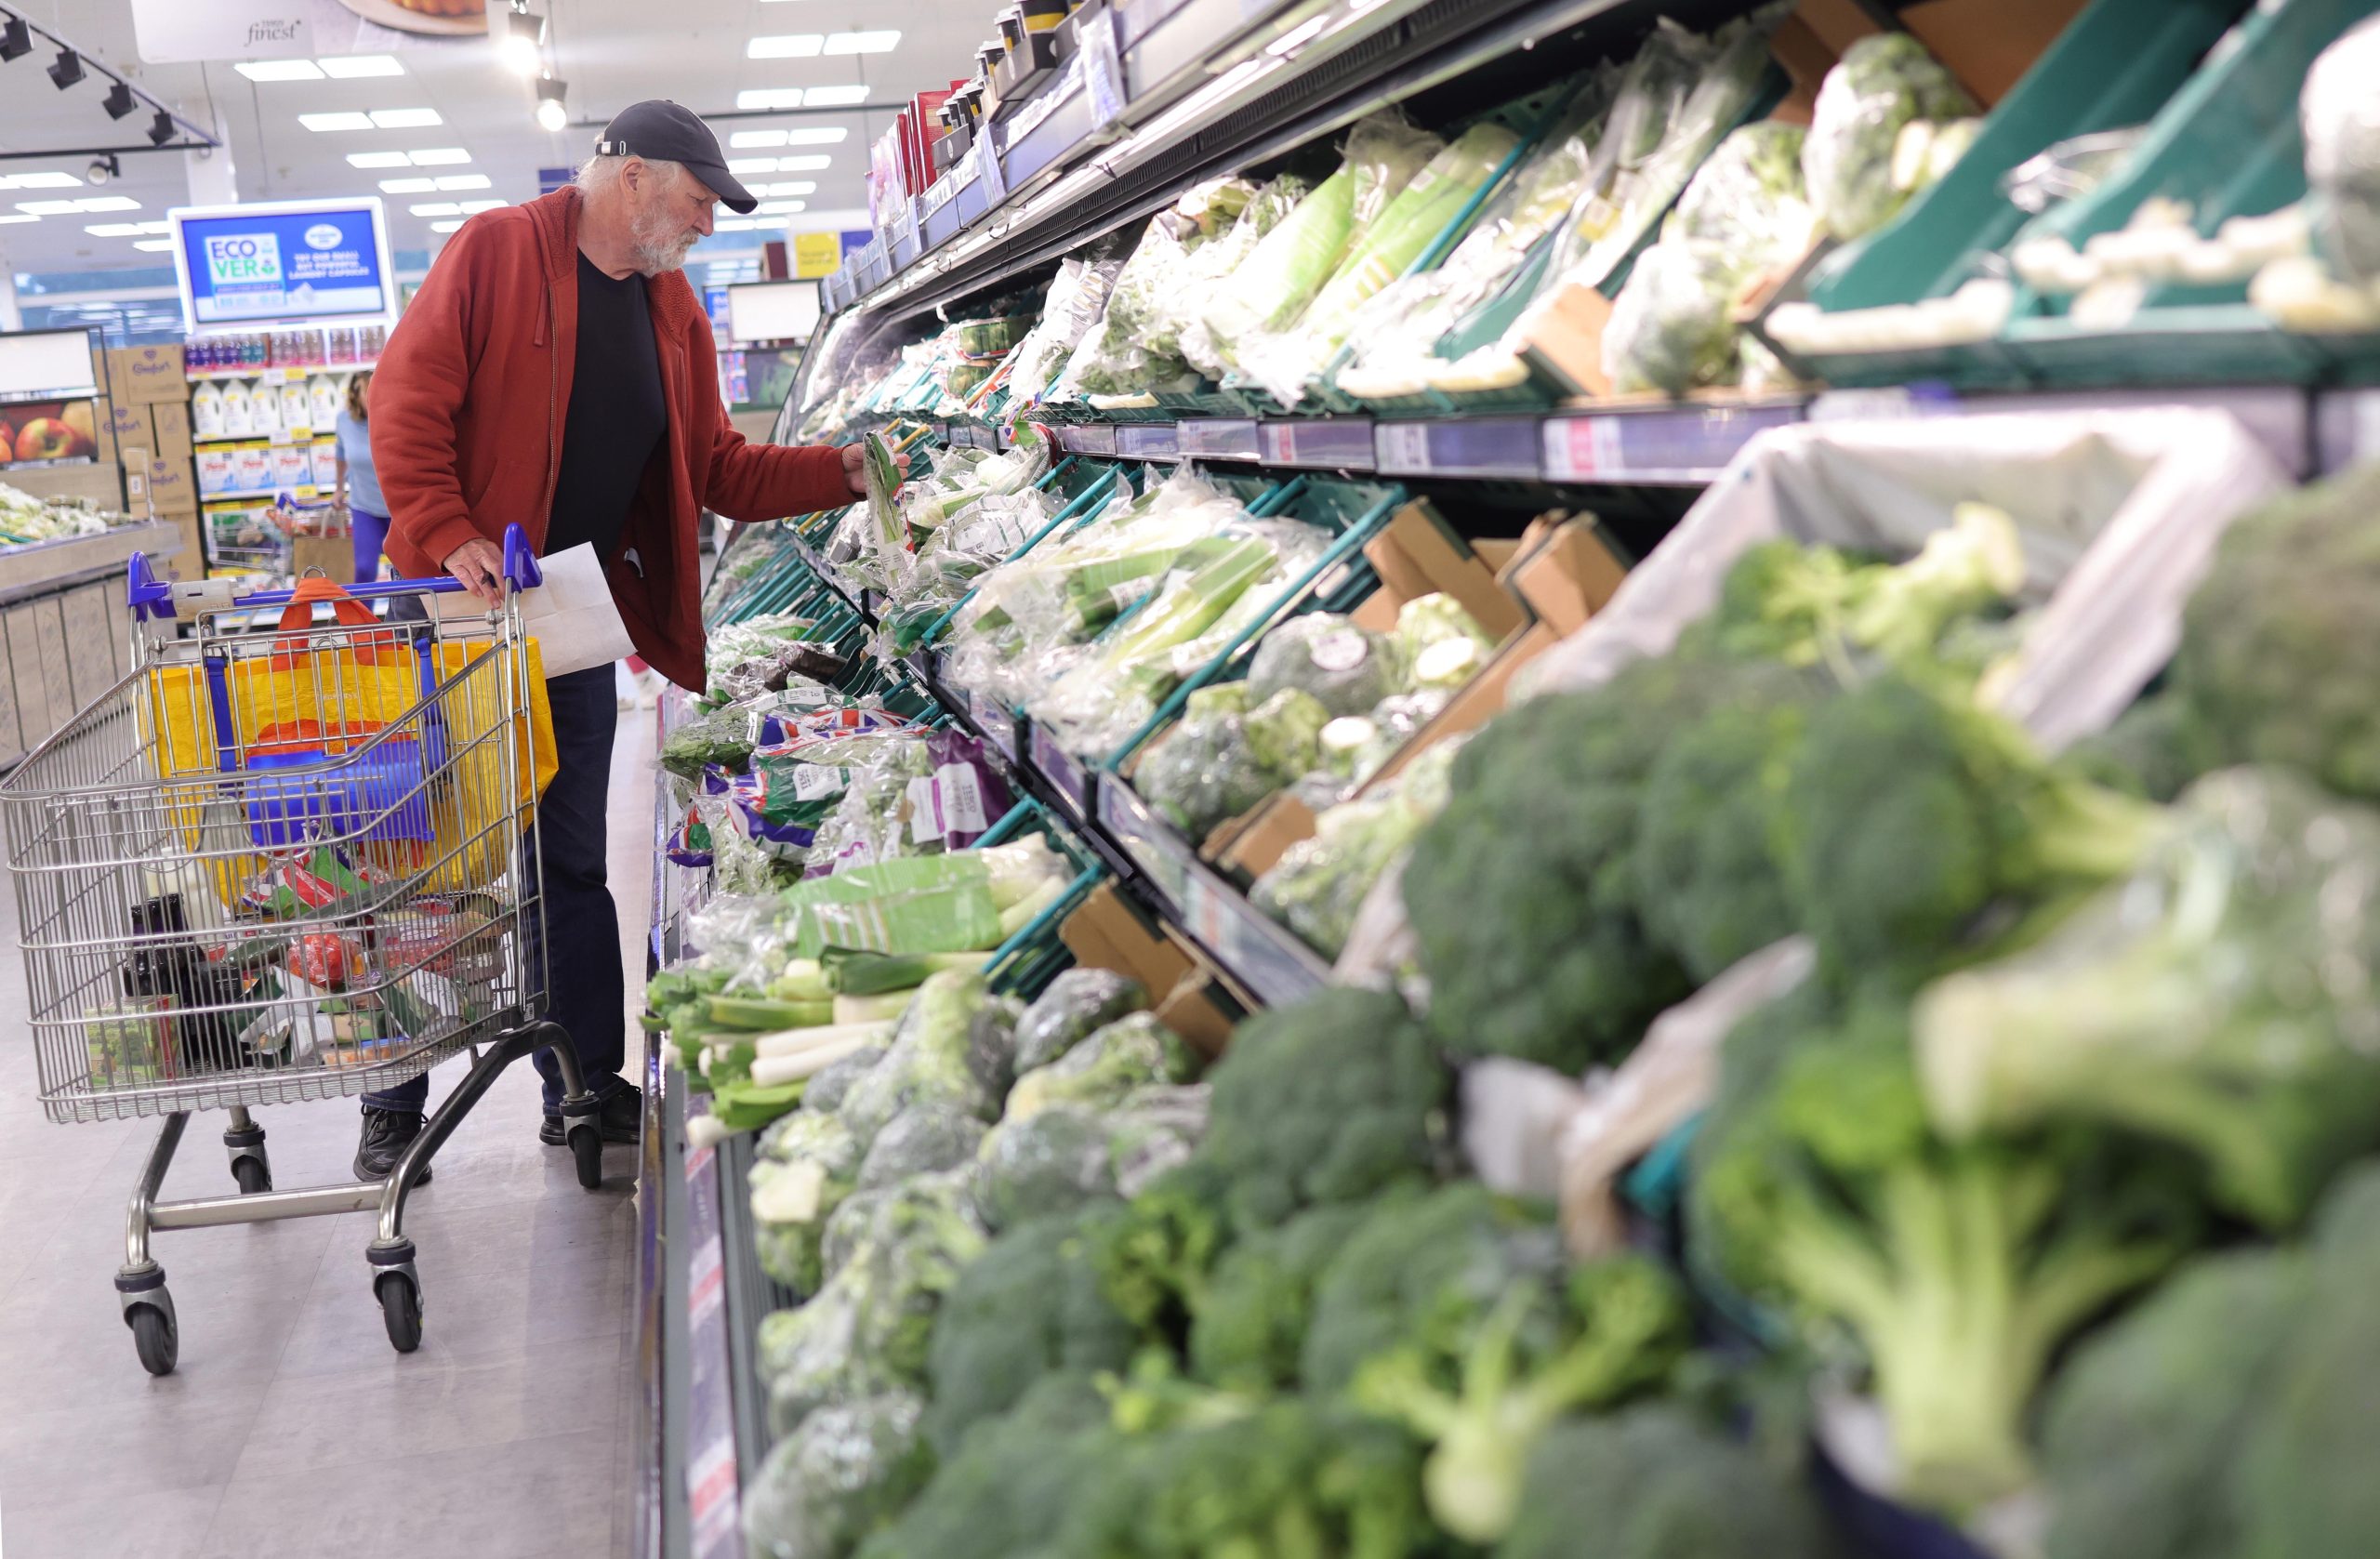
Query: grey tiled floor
pixel 292 1430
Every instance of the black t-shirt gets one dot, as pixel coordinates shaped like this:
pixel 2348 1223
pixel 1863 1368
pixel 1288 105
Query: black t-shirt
pixel 616 418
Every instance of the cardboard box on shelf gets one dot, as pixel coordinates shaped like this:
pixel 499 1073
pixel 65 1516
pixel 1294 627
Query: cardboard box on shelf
pixel 147 376
pixel 160 428
pixel 173 487
pixel 190 562
pixel 1107 933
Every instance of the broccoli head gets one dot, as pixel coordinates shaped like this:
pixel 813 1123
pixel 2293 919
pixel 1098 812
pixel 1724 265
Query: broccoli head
pixel 1958 1268
pixel 1077 1004
pixel 2196 1001
pixel 1328 1101
pixel 1421 1276
pixel 1010 1487
pixel 1250 1321
pixel 1333 659
pixel 1906 815
pixel 804 1171
pixel 2142 1427
pixel 1630 1327
pixel 2277 656
pixel 1705 870
pixel 923 1139
pixel 1154 1252
pixel 845 1472
pixel 1520 892
pixel 1029 1306
pixel 1654 1482
pixel 2153 750
pixel 1049 1163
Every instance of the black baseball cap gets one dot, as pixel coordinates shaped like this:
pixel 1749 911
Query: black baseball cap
pixel 658 127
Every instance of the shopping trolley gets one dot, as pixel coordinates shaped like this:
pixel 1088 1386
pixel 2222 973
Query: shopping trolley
pixel 285 863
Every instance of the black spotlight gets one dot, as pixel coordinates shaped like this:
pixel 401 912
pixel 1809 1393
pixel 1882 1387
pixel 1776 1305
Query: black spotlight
pixel 119 101
pixel 67 69
pixel 161 129
pixel 16 39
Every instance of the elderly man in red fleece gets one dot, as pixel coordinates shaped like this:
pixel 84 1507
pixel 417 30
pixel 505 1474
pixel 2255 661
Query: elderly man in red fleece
pixel 556 372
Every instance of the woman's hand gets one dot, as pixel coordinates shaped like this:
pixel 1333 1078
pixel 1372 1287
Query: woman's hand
pixel 855 468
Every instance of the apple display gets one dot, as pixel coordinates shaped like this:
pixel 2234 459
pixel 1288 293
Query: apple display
pixel 8 442
pixel 50 438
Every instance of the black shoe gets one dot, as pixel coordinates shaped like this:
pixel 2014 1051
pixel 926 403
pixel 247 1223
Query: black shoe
pixel 621 1119
pixel 386 1134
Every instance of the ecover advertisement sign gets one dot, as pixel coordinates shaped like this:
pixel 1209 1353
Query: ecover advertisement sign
pixel 295 262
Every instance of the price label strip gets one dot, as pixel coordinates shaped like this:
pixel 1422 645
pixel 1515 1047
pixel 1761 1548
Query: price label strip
pixel 1151 846
pixel 1059 768
pixel 1148 441
pixel 1103 66
pixel 1342 443
pixel 1218 438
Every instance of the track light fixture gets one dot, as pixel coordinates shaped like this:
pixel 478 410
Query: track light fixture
pixel 104 168
pixel 161 128
pixel 552 116
pixel 523 37
pixel 16 39
pixel 119 101
pixel 66 69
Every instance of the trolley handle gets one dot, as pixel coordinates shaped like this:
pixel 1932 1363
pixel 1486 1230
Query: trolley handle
pixel 151 596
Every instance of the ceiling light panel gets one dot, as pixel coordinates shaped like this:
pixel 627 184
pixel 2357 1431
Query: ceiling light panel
pixel 407 186
pixel 864 43
pixel 803 165
pixel 355 67
pixel 834 97
pixel 785 46
pixel 743 140
pixel 780 208
pixel 751 165
pixel 454 226
pixel 405 118
pixel 462 181
pixel 155 245
pixel 16 217
pixel 761 98
pixel 44 181
pixel 792 187
pixel 472 208
pixel 821 135
pixel 436 209
pixel 49 207
pixel 108 203
pixel 280 69
pixel 378 160
pixel 347 121
pixel 439 156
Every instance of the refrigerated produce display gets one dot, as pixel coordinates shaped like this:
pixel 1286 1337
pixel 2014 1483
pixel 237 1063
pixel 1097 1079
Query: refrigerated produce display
pixel 1603 788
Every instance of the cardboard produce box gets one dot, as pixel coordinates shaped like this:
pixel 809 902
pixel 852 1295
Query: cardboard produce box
pixel 160 428
pixel 147 376
pixel 173 486
pixel 1107 933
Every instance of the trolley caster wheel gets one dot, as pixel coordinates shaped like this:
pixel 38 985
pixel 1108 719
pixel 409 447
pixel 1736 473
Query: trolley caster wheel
pixel 253 1174
pixel 400 1308
pixel 155 1337
pixel 586 1147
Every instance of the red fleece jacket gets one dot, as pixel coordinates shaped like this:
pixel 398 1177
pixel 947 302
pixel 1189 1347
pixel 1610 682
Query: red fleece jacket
pixel 468 408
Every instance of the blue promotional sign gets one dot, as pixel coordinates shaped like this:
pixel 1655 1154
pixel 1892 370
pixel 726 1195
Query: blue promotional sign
pixel 285 263
pixel 551 180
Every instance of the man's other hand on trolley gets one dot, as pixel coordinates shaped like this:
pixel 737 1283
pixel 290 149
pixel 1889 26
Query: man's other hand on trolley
pixel 479 564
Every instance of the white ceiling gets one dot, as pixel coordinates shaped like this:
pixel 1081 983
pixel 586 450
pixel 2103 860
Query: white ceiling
pixel 609 52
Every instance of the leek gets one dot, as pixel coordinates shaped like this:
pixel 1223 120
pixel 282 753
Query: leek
pixel 775 1071
pixel 801 1041
pixel 888 1005
pixel 852 972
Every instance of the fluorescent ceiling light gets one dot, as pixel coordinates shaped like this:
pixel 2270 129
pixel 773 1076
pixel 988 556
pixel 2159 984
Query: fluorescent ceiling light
pixel 405 118
pixel 795 187
pixel 768 98
pixel 353 67
pixel 462 181
pixel 109 203
pixel 780 208
pixel 439 156
pixel 454 226
pixel 377 159
pixel 45 180
pixel 472 208
pixel 50 207
pixel 734 224
pixel 347 121
pixel 113 230
pixel 436 209
pixel 785 46
pixel 279 69
pixel 751 165
pixel 865 43
pixel 803 165
pixel 834 97
pixel 153 246
pixel 824 134
pixel 741 140
pixel 21 216
pixel 407 186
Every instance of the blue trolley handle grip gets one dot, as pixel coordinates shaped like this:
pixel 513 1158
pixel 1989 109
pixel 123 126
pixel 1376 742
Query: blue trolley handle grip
pixel 151 596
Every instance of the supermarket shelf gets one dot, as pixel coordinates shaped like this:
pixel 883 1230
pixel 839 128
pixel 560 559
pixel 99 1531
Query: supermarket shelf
pixel 262 370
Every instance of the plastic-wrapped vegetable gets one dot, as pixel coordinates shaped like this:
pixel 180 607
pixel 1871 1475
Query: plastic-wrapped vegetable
pixel 1318 884
pixel 1114 358
pixel 828 1088
pixel 1078 297
pixel 1075 1005
pixel 1883 83
pixel 1344 666
pixel 1129 1054
pixel 2341 120
pixel 1670 329
pixel 804 1171
pixel 846 1471
pixel 1425 624
pixel 1223 758
pixel 931 1061
pixel 1048 1163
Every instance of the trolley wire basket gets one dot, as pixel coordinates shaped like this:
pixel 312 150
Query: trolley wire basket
pixel 287 864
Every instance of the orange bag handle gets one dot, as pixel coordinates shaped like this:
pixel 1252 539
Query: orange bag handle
pixel 345 608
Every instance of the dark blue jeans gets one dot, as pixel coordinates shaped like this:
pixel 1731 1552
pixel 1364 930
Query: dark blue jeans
pixel 577 924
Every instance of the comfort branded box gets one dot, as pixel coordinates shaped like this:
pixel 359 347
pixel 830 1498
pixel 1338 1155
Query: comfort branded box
pixel 162 428
pixel 146 376
pixel 173 487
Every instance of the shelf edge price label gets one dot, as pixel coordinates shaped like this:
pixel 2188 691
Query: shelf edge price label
pixel 1404 447
pixel 1276 444
pixel 994 175
pixel 1582 449
pixel 1211 923
pixel 1103 66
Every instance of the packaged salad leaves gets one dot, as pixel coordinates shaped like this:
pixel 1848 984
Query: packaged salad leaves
pixel 1884 84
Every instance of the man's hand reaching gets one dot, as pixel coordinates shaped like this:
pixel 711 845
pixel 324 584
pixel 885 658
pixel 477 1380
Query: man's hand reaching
pixel 855 468
pixel 479 564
